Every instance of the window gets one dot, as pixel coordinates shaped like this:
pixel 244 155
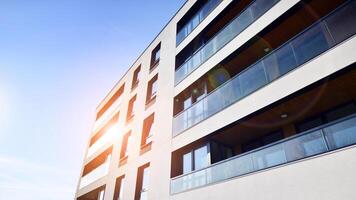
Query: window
pixel 201 157
pixel 262 141
pixel 142 182
pixel 186 99
pixel 193 17
pixel 136 77
pixel 187 163
pixel 326 117
pixel 101 195
pixel 151 89
pixel 119 188
pixel 131 109
pixel 196 159
pixel 155 56
pixel 125 141
pixel 147 130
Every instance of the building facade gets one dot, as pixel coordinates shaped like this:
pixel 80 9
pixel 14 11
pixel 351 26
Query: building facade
pixel 249 99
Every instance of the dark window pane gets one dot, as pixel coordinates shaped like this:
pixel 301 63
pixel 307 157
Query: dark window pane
pixel 273 137
pixel 309 124
pixel 342 23
pixel 340 112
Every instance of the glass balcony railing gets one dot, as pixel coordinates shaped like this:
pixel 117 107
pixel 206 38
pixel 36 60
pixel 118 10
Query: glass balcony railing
pixel 235 27
pixel 96 174
pixel 318 38
pixel 196 20
pixel 338 134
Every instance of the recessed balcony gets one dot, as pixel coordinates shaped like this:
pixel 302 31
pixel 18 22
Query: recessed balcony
pixel 96 169
pixel 190 21
pixel 225 35
pixel 310 143
pixel 103 140
pixel 104 136
pixel 323 35
pixel 320 118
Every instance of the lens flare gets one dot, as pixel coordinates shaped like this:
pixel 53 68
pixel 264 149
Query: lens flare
pixel 113 130
pixel 218 77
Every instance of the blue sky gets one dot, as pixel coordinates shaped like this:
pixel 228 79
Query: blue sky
pixel 58 59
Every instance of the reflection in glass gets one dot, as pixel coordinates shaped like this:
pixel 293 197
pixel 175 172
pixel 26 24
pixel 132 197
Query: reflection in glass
pixel 341 134
pixel 311 43
pixel 253 78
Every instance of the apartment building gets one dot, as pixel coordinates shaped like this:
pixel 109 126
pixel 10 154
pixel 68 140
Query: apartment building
pixel 248 99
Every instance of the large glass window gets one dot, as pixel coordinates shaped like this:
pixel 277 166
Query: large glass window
pixel 145 182
pixel 262 141
pixel 151 89
pixel 119 188
pixel 142 183
pixel 125 141
pixel 136 77
pixel 196 159
pixel 131 108
pixel 155 56
pixel 101 195
pixel 187 163
pixel 147 132
pixel 201 157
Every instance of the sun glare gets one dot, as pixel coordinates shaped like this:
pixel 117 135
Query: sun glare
pixel 113 131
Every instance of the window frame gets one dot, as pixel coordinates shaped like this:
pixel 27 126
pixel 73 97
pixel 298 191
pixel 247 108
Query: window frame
pixel 131 108
pixel 136 77
pixel 147 130
pixel 125 145
pixel 119 185
pixel 140 180
pixel 150 96
pixel 193 159
pixel 155 61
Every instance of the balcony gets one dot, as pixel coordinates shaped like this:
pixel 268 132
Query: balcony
pixel 103 136
pixel 204 11
pixel 95 174
pixel 230 31
pixel 318 38
pixel 329 137
pixel 96 194
pixel 103 140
